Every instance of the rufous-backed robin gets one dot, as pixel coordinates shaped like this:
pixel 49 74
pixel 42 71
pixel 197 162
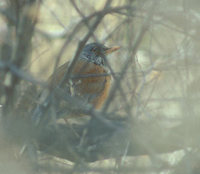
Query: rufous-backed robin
pixel 91 80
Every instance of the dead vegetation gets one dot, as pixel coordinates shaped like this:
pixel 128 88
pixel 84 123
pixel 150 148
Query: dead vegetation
pixel 150 121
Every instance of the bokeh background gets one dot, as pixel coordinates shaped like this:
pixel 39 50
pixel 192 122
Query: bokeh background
pixel 161 82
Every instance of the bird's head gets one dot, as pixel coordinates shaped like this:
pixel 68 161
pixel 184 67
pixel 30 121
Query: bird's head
pixel 96 52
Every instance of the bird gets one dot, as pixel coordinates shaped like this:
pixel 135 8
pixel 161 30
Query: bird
pixel 92 81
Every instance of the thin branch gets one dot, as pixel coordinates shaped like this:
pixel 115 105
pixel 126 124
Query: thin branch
pixel 134 49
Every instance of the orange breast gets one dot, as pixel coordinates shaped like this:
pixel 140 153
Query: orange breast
pixel 88 81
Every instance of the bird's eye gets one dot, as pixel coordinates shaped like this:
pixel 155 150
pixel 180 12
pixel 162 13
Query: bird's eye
pixel 94 49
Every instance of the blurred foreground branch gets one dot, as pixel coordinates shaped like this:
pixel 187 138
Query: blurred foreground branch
pixel 106 134
pixel 103 142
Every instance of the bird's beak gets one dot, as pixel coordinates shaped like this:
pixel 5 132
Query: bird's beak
pixel 112 49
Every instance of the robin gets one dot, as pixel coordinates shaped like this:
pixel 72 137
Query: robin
pixel 90 79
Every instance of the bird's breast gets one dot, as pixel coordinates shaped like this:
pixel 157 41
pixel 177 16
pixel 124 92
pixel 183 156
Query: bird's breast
pixel 88 80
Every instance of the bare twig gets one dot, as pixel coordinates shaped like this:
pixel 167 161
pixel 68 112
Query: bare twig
pixel 134 49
